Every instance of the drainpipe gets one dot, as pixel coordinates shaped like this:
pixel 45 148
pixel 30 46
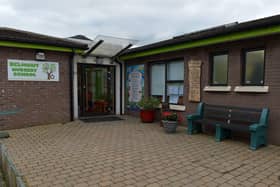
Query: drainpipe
pixel 116 58
pixel 121 84
pixel 71 84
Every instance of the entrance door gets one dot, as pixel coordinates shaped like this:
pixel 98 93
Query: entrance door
pixel 96 89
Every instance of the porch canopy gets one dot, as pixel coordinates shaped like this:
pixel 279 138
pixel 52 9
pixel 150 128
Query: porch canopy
pixel 107 46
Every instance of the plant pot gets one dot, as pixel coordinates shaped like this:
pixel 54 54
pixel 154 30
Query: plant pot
pixel 147 116
pixel 169 126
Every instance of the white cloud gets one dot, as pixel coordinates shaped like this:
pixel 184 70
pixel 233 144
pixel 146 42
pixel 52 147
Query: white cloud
pixel 145 20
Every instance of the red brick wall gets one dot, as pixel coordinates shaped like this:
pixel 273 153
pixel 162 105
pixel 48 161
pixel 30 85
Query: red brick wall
pixel 40 102
pixel 272 77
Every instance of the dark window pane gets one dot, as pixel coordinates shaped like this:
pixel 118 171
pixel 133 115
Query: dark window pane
pixel 220 69
pixel 254 67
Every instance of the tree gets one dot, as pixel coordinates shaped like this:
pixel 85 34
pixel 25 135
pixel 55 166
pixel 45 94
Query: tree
pixel 49 69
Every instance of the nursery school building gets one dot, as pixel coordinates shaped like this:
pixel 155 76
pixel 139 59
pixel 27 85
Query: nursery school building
pixel 236 64
pixel 45 79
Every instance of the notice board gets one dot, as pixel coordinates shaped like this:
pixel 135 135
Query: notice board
pixel 194 80
pixel 135 86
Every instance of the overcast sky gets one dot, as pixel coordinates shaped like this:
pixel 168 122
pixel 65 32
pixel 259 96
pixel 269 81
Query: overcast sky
pixel 144 20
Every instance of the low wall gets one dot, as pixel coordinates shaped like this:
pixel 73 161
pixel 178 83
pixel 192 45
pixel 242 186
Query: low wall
pixel 12 177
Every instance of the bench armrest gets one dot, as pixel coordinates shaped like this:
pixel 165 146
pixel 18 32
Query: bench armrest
pixel 257 126
pixel 194 116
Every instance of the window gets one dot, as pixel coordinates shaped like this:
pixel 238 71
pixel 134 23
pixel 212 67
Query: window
pixel 167 81
pixel 158 79
pixel 253 68
pixel 219 70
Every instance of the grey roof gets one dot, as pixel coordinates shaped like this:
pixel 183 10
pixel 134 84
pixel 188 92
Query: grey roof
pixel 211 32
pixel 80 37
pixel 15 35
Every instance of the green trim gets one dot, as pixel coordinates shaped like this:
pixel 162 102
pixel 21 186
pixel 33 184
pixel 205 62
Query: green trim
pixel 205 42
pixel 38 46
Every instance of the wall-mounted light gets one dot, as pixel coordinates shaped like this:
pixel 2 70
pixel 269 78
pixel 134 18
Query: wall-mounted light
pixel 40 55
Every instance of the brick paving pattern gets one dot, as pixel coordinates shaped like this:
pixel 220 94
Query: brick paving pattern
pixel 129 153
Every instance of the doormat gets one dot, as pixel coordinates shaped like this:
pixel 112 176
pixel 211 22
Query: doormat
pixel 101 119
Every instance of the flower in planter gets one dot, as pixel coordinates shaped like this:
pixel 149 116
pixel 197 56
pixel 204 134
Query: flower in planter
pixel 171 117
pixel 170 122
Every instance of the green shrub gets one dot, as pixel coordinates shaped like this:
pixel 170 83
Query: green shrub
pixel 149 103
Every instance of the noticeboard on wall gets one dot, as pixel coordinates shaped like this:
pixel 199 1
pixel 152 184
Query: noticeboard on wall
pixel 29 70
pixel 134 86
pixel 194 80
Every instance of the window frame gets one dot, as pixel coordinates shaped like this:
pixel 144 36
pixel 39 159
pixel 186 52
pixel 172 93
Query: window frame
pixel 166 62
pixel 243 66
pixel 211 82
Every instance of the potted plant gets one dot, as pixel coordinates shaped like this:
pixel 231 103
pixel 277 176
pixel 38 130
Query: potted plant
pixel 170 122
pixel 147 109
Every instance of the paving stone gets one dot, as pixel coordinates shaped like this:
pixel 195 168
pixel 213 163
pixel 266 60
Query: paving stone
pixel 261 185
pixel 130 153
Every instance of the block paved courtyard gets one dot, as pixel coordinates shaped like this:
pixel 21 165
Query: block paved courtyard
pixel 129 153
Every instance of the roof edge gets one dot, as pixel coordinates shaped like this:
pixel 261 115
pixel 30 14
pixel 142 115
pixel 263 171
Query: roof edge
pixel 23 36
pixel 39 46
pixel 206 41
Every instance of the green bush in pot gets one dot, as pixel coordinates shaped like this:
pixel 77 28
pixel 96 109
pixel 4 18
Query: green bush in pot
pixel 148 106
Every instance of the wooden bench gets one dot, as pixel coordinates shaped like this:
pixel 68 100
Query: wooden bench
pixel 230 118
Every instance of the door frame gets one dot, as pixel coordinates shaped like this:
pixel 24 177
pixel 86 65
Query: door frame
pixel 81 94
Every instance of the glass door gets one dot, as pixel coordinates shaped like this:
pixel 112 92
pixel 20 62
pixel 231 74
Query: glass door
pixel 96 90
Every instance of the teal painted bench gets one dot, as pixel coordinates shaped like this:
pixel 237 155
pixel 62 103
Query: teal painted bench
pixel 226 119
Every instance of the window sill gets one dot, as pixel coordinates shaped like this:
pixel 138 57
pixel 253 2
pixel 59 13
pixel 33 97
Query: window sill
pixel 252 89
pixel 177 107
pixel 217 88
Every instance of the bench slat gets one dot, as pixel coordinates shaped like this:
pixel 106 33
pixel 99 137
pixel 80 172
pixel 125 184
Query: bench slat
pixel 226 115
pixel 245 116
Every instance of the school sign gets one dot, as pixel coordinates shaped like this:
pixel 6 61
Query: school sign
pixel 27 70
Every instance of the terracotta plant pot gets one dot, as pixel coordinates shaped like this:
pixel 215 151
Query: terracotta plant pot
pixel 147 116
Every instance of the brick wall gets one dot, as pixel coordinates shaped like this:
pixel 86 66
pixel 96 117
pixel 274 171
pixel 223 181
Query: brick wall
pixel 39 102
pixel 272 77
